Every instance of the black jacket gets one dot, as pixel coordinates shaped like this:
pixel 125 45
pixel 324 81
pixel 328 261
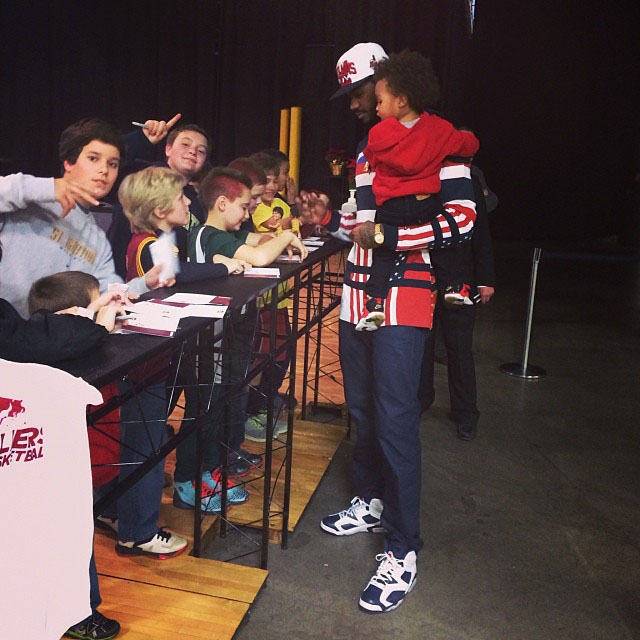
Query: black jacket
pixel 46 338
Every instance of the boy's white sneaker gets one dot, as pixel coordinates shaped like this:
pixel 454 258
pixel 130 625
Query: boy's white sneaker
pixel 360 517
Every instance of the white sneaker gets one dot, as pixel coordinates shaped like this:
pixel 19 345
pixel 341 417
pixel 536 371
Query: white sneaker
pixel 108 523
pixel 393 580
pixel 163 544
pixel 359 517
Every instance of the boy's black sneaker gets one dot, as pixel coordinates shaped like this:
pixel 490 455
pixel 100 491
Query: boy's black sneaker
pixel 375 316
pixel 95 627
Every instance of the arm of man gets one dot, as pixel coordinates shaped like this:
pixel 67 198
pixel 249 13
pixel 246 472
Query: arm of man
pixel 484 270
pixel 453 226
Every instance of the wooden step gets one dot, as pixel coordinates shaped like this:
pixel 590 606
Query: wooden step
pixel 314 445
pixel 184 572
pixel 147 611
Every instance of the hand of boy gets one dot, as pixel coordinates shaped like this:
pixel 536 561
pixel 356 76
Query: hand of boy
pixel 157 130
pixel 152 278
pixel 296 243
pixel 69 193
pixel 234 265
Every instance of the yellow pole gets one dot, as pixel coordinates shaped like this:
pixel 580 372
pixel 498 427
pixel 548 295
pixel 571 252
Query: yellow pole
pixel 284 131
pixel 294 143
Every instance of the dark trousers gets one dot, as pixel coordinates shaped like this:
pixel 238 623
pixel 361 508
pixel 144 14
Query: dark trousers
pixel 196 400
pixel 381 371
pixel 94 589
pixel 456 327
pixel 406 211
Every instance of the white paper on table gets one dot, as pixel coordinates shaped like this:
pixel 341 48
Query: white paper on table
pixel 284 257
pixel 263 272
pixel 204 311
pixel 163 251
pixel 313 242
pixel 152 309
pixel 198 298
pixel 311 248
pixel 151 324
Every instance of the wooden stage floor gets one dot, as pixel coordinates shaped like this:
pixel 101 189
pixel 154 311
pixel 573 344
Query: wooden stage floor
pixel 190 598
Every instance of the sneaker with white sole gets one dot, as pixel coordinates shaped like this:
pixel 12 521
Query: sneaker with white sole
pixel 375 315
pixel 95 627
pixel 360 517
pixel 393 580
pixel 255 428
pixel 461 295
pixel 108 524
pixel 163 544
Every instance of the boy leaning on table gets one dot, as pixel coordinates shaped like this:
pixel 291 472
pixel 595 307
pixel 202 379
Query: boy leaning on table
pixel 226 194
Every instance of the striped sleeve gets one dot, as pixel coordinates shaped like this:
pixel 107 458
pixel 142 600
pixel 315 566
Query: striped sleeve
pixel 144 261
pixel 453 226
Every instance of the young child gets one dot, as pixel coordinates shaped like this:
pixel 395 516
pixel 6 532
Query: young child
pixel 258 183
pixel 264 218
pixel 226 195
pixel 64 294
pixel 287 189
pixel 154 202
pixel 406 150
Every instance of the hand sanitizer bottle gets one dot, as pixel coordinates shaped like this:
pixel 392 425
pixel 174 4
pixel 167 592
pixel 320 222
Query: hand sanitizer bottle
pixel 350 205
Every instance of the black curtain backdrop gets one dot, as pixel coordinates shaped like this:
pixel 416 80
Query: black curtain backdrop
pixel 548 87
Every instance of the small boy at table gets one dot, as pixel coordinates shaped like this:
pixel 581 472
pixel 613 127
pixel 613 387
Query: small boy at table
pixel 154 202
pixel 226 194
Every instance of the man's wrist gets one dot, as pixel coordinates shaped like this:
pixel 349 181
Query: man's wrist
pixel 390 236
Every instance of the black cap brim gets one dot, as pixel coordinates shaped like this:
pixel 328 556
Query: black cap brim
pixel 348 88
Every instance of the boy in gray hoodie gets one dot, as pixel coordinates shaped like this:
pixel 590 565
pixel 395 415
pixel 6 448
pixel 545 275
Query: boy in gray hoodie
pixel 45 223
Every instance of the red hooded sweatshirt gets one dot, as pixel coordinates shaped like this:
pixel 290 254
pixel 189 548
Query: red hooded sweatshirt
pixel 407 161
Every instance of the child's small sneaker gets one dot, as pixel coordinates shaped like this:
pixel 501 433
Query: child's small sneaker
pixel 255 428
pixel 184 497
pixel 242 462
pixel 108 524
pixel 162 545
pixel 460 295
pixel 213 481
pixel 95 627
pixel 375 316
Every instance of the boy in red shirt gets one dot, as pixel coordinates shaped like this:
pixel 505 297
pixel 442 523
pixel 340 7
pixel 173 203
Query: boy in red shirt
pixel 406 150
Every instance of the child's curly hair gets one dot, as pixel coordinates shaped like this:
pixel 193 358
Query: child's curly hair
pixel 410 74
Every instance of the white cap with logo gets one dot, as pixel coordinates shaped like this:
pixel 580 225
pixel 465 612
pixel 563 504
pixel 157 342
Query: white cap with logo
pixel 357 65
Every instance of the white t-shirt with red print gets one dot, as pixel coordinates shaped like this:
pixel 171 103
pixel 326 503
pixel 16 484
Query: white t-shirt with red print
pixel 46 505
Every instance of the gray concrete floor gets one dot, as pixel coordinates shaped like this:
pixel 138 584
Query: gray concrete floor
pixel 532 530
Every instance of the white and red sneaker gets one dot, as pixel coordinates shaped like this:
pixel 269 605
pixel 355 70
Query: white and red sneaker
pixel 460 295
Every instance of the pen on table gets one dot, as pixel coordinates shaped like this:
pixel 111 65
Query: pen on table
pixel 142 125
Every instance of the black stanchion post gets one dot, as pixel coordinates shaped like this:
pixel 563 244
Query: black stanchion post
pixel 523 369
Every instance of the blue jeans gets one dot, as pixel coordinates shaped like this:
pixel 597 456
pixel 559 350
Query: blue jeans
pixel 142 432
pixel 94 589
pixel 381 371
